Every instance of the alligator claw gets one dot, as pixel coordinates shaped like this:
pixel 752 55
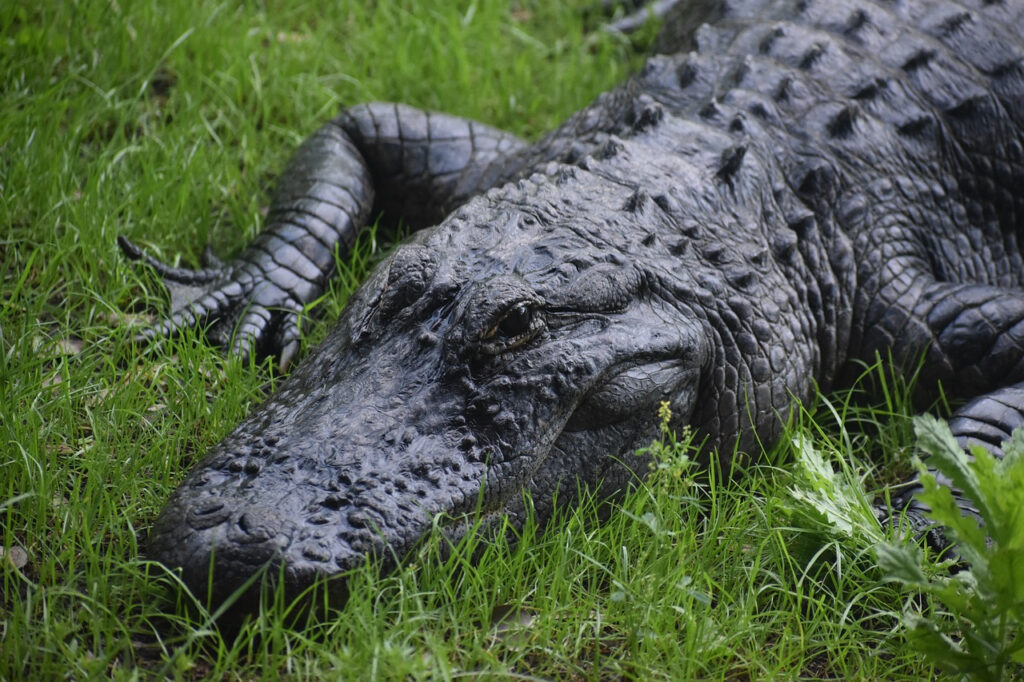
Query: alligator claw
pixel 245 313
pixel 288 333
pixel 908 517
pixel 210 260
pixel 184 276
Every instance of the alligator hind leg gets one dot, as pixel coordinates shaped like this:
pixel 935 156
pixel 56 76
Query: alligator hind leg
pixel 410 164
pixel 972 336
pixel 987 421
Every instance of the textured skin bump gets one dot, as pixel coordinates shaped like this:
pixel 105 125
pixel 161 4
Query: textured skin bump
pixel 789 189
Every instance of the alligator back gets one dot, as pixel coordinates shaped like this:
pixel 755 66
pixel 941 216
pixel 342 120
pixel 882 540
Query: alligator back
pixel 921 100
pixel 898 124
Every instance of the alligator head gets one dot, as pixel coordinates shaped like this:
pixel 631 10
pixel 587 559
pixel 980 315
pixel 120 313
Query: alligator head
pixel 518 346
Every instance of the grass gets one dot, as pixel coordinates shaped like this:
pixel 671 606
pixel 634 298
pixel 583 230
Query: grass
pixel 168 123
pixel 974 631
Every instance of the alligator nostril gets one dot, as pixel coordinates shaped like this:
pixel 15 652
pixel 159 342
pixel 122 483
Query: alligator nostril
pixel 316 553
pixel 207 513
pixel 250 524
pixel 209 507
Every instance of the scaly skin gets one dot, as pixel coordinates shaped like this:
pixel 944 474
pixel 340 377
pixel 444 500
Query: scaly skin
pixel 729 230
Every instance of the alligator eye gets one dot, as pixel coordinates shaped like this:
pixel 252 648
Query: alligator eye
pixel 518 325
pixel 516 322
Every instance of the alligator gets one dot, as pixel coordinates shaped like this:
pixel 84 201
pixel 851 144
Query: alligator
pixel 787 189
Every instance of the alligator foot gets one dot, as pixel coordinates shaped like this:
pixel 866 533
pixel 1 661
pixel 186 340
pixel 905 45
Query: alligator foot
pixel 908 518
pixel 987 421
pixel 247 312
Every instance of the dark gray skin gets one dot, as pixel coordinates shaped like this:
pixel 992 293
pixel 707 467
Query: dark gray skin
pixel 728 231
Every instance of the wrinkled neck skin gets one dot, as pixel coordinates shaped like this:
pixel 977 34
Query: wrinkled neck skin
pixel 523 345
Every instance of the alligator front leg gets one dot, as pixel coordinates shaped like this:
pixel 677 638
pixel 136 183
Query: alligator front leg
pixel 253 302
pixel 410 164
pixel 425 164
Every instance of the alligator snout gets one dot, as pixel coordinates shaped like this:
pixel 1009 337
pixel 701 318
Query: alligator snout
pixel 343 483
pixel 222 531
pixel 219 543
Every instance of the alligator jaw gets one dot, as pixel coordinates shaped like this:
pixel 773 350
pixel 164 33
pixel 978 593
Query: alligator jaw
pixel 220 541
